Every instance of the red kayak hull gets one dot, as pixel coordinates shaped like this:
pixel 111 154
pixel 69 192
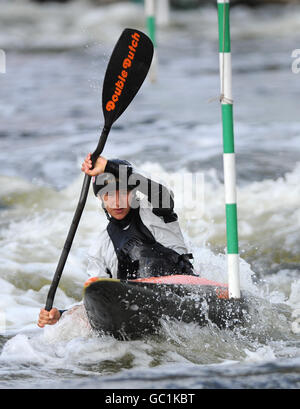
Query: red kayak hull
pixel 220 288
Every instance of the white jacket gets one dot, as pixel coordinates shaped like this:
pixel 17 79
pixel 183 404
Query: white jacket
pixel 102 254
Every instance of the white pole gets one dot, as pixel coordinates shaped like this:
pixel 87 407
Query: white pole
pixel 163 12
pixel 2 62
pixel 228 149
pixel 151 28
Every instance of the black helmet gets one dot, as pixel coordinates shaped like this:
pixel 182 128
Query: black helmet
pixel 117 172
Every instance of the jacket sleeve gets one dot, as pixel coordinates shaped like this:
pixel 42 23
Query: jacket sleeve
pixel 96 267
pixel 157 194
pixel 97 255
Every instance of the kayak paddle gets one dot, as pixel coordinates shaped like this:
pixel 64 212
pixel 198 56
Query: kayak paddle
pixel 126 71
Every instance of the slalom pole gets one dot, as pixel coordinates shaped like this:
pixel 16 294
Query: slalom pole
pixel 151 29
pixel 163 13
pixel 228 148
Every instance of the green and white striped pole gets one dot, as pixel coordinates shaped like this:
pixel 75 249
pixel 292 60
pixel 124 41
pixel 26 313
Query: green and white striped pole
pixel 151 29
pixel 228 149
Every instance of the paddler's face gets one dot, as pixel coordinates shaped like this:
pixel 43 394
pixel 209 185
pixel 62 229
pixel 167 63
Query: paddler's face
pixel 117 203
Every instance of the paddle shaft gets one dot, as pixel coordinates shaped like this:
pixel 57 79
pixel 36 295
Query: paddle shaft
pixel 75 222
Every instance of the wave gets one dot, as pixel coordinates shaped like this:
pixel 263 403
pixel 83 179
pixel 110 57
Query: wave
pixel 34 221
pixel 28 26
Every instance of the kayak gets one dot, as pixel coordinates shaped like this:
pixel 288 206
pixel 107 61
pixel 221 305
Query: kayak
pixel 132 309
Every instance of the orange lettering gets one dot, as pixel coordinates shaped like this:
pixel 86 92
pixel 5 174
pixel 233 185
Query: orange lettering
pixel 119 84
pixel 131 55
pixel 135 36
pixel 127 63
pixel 131 48
pixel 110 106
pixel 118 91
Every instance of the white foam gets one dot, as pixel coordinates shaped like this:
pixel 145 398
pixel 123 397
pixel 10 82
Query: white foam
pixel 28 25
pixel 264 353
pixel 80 23
pixel 31 246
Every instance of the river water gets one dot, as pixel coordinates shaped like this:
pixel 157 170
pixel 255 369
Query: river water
pixel 51 116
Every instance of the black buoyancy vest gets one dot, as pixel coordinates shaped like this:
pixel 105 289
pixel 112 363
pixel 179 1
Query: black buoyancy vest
pixel 139 254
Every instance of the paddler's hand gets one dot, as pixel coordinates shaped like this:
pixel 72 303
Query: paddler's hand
pixel 99 166
pixel 48 317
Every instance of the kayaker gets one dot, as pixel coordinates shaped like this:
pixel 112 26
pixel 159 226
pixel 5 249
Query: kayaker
pixel 143 237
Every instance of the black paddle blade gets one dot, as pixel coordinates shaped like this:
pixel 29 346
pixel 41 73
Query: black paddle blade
pixel 126 71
